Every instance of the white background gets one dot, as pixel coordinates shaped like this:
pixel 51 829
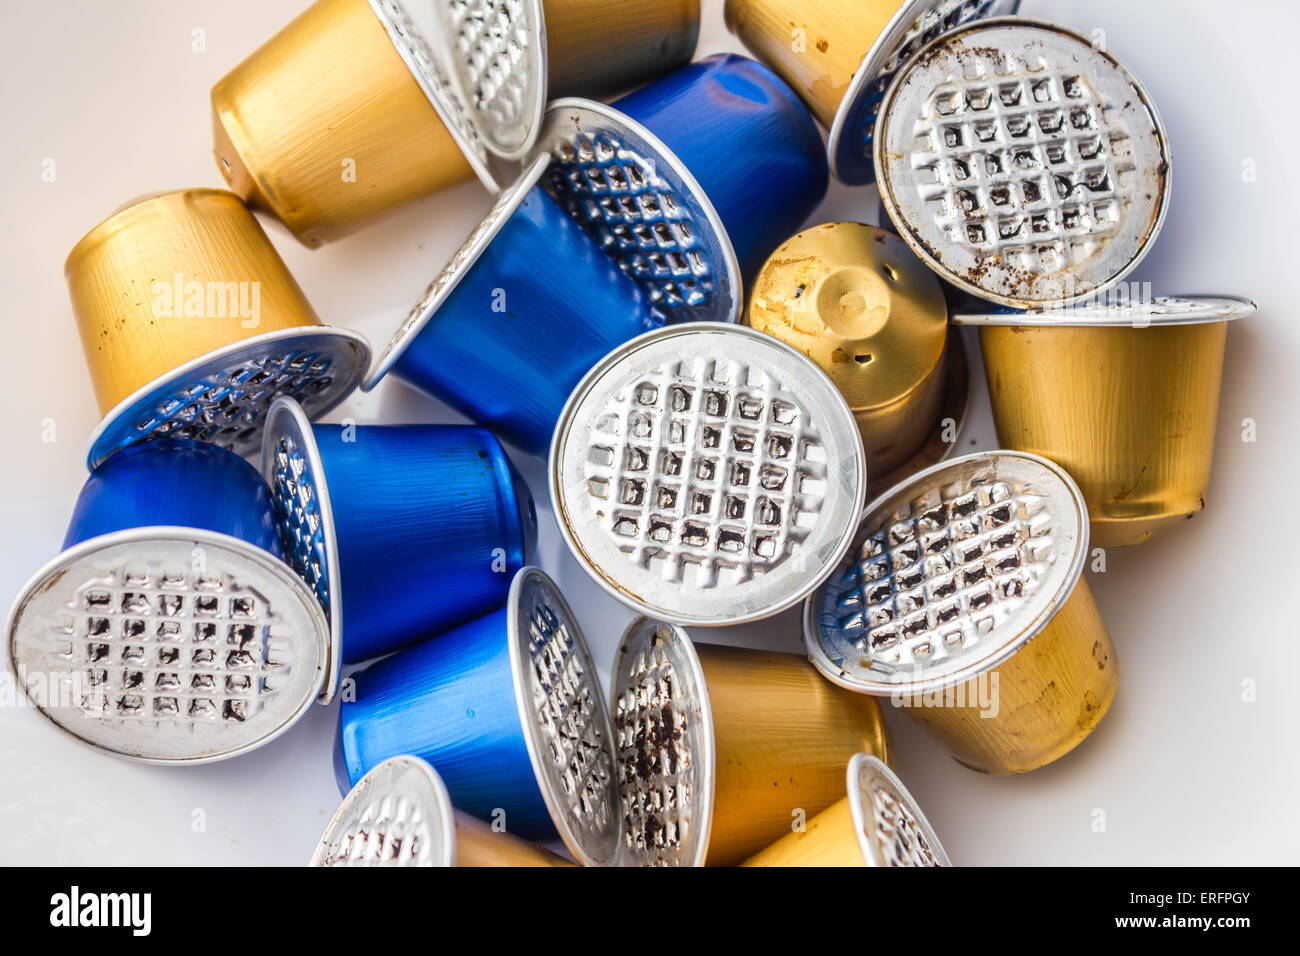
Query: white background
pixel 1184 770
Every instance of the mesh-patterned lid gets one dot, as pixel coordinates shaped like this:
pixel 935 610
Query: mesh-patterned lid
pixel 707 474
pixel 222 397
pixel 664 746
pixel 950 573
pixel 168 645
pixel 916 23
pixel 457 268
pixel 565 720
pixel 1023 164
pixel 632 194
pixel 425 66
pixel 293 470
pixel 496 50
pixel 398 814
pixel 892 830
pixel 1117 311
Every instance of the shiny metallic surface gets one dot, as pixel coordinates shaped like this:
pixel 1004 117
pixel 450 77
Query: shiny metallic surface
pixel 945 435
pixel 876 824
pixel 856 301
pixel 892 830
pixel 450 701
pixel 664 746
pixel 839 56
pixel 968 569
pixel 509 711
pixel 399 814
pixel 191 324
pixel 643 207
pixel 1118 312
pixel 403 531
pixel 718 746
pixel 566 724
pixel 169 630
pixel 497 54
pixel 707 474
pixel 1022 164
pixel 222 397
pixel 691 181
pixel 953 571
pixel 1135 425
pixel 347 81
pixel 528 300
pixel 510 56
pixel 851 145
pixel 603 47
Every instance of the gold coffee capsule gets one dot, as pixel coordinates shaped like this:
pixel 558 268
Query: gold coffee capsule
pixel 718 748
pixel 876 824
pixel 192 325
pixel 400 814
pixel 339 118
pixel 963 601
pixel 839 56
pixel 1123 395
pixel 856 301
pixel 511 59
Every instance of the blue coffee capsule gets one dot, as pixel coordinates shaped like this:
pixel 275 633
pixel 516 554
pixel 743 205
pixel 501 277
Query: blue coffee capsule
pixel 690 182
pixel 523 309
pixel 509 710
pixel 403 531
pixel 169 630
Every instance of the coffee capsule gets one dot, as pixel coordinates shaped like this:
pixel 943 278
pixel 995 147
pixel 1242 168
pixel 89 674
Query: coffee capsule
pixel 963 601
pixel 1123 394
pixel 341 117
pixel 192 325
pixel 510 711
pixel 839 56
pixel 707 474
pixel 1024 164
pixel 691 181
pixel 403 531
pixel 876 824
pixel 718 747
pixel 400 814
pixel 170 630
pixel 856 301
pixel 526 306
pixel 509 59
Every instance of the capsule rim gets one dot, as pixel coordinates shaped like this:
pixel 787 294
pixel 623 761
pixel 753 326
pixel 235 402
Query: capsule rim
pixel 286 417
pixel 58 567
pixel 115 429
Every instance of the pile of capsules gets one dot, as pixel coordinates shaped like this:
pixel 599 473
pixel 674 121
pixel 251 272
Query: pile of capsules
pixel 711 450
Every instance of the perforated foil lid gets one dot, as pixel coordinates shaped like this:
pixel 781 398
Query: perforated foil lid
pixel 566 723
pixel 497 55
pixel 665 747
pixel 707 474
pixel 950 573
pixel 1117 311
pixel 293 470
pixel 398 814
pixel 168 645
pixel 632 194
pixel 1021 163
pixel 222 397
pixel 892 830
pixel 916 23
pixel 425 64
